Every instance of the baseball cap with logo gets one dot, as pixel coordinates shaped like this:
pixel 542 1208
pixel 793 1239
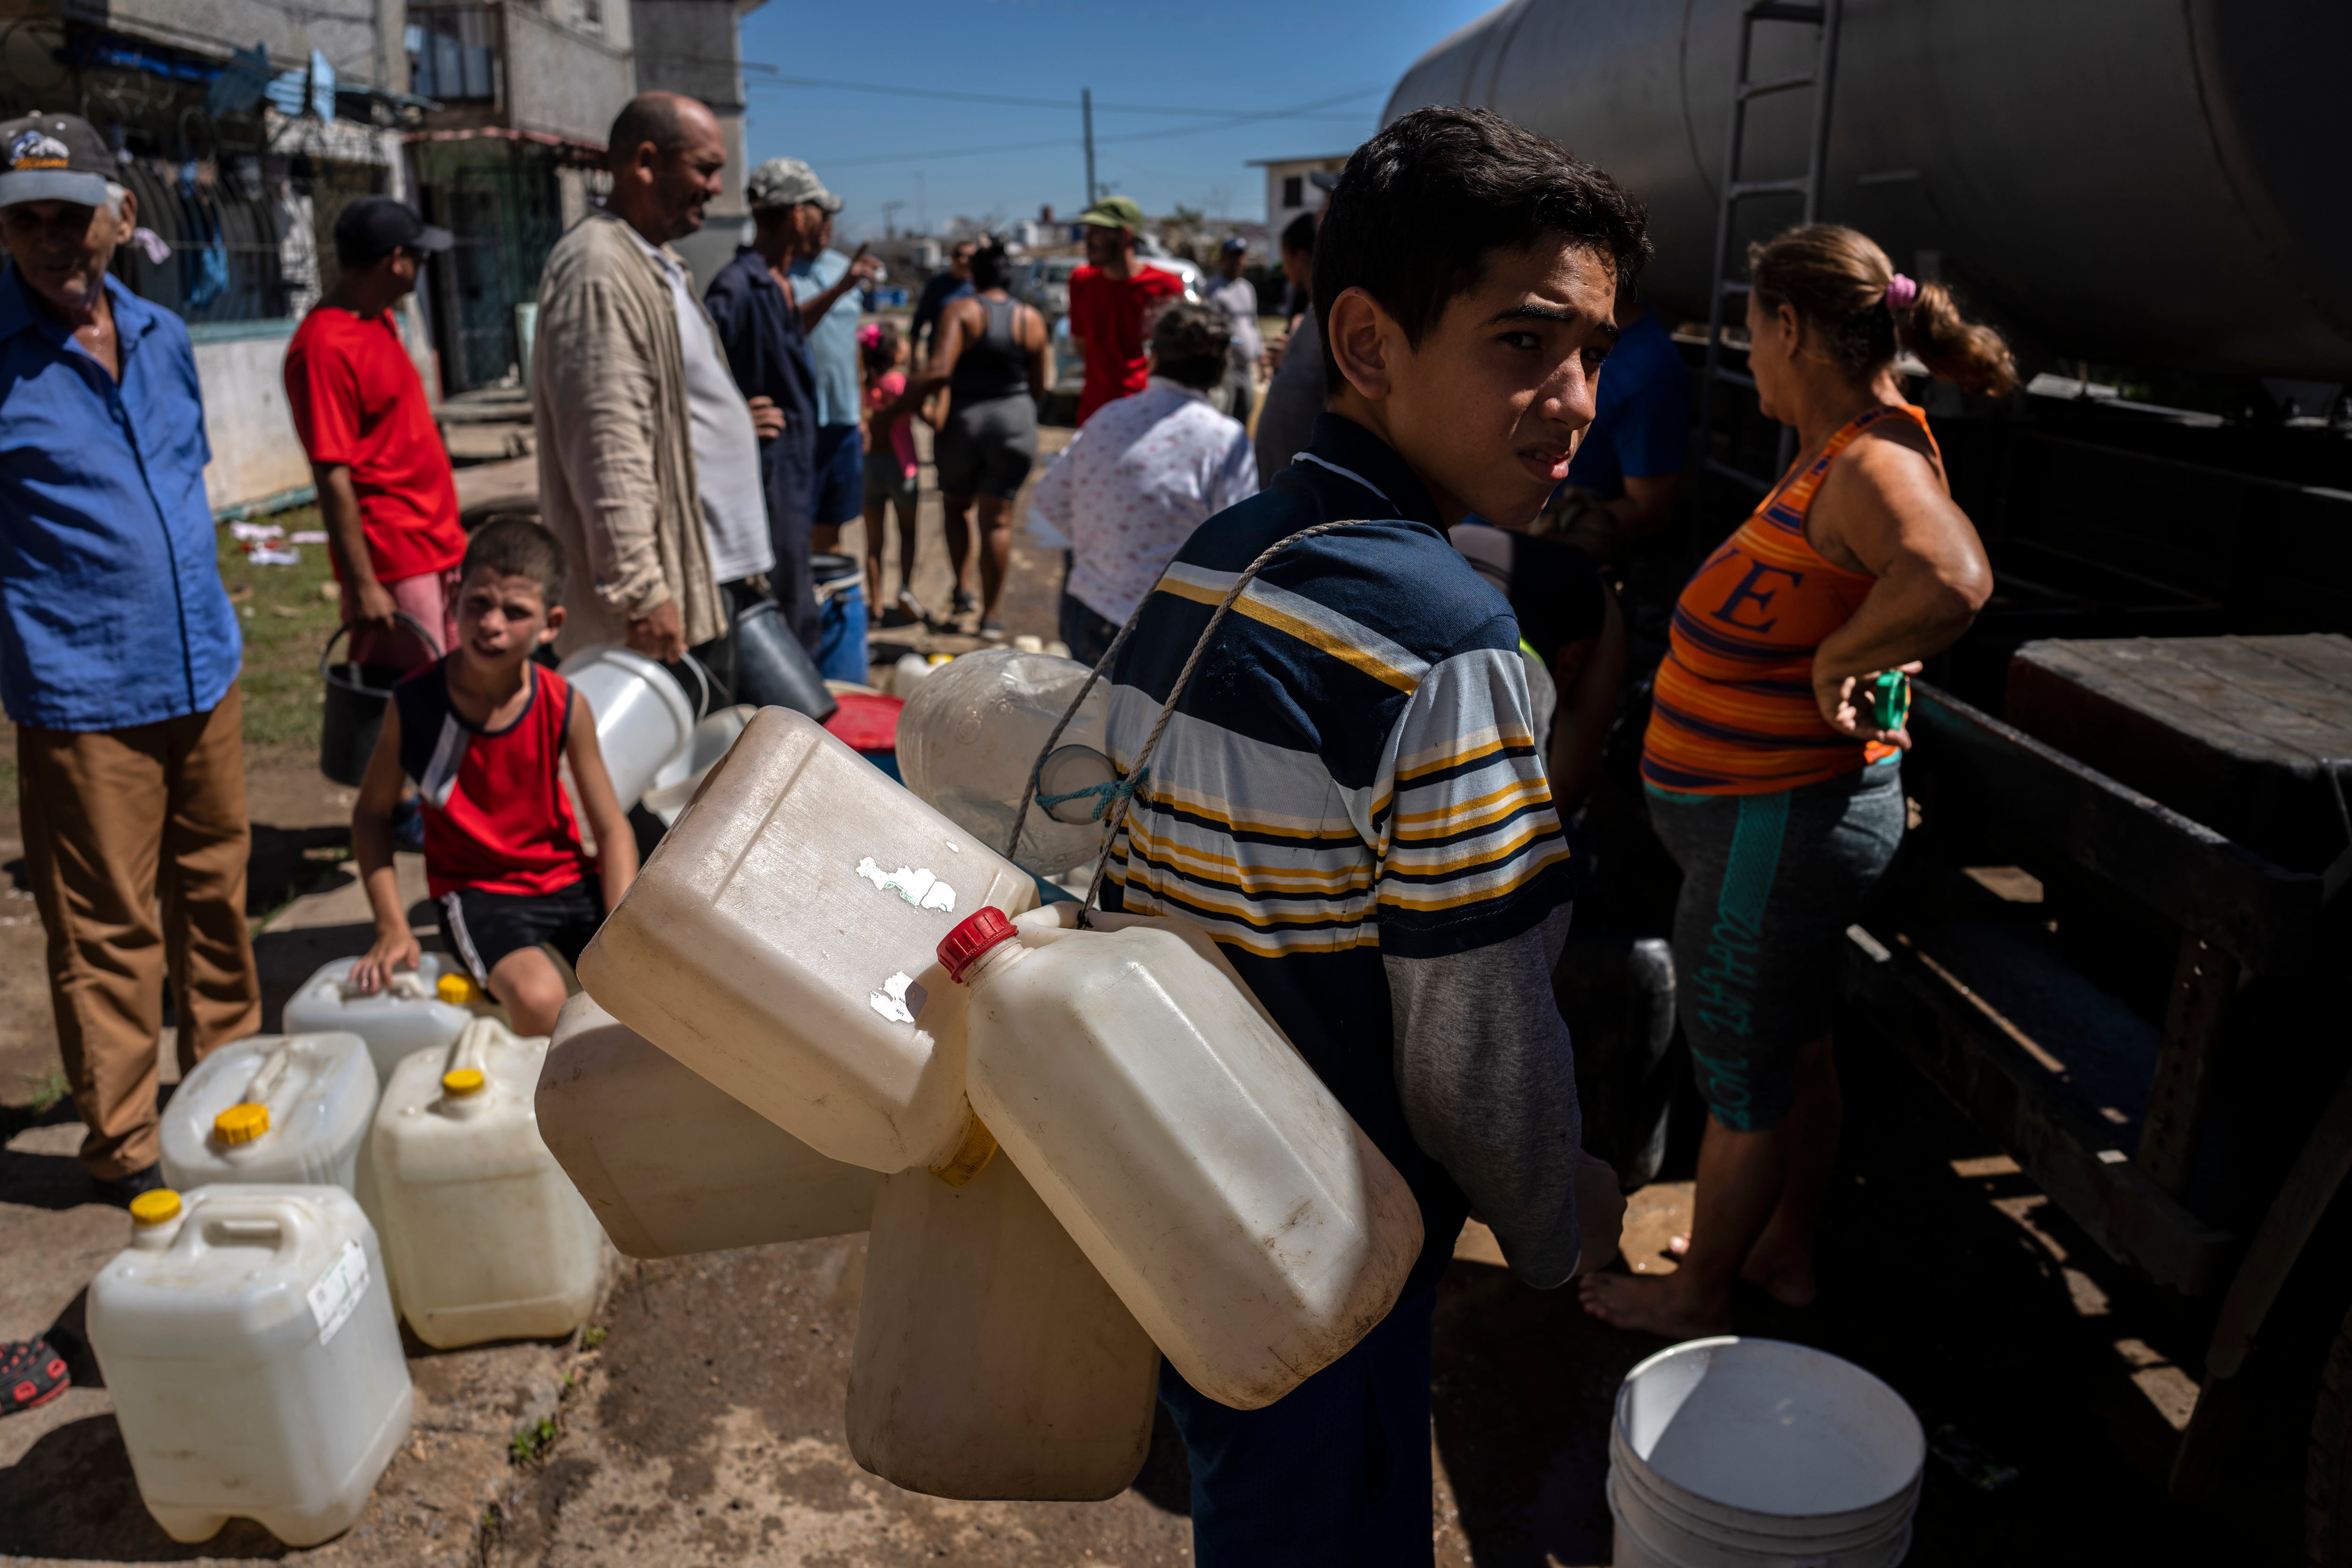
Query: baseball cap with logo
pixel 787 183
pixel 54 158
pixel 1115 212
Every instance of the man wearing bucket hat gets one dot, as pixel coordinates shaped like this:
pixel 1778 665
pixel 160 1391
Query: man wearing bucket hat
pixel 764 330
pixel 1112 301
pixel 118 652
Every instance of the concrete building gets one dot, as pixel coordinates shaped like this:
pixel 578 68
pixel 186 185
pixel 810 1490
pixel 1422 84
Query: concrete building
pixel 1288 190
pixel 511 155
pixel 244 127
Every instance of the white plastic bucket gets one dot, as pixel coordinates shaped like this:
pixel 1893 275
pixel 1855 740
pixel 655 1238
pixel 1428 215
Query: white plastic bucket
pixel 644 725
pixel 1735 1453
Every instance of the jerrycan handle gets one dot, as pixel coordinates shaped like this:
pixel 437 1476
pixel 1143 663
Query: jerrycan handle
pixel 273 1220
pixel 464 1077
pixel 266 1077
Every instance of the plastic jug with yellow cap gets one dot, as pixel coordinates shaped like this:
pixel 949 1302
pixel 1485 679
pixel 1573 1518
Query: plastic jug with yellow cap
pixel 1193 1156
pixel 419 1011
pixel 274 1108
pixel 992 1362
pixel 780 944
pixel 671 1165
pixel 248 1345
pixel 486 1237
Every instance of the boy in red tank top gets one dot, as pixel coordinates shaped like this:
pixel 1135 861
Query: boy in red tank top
pixel 482 735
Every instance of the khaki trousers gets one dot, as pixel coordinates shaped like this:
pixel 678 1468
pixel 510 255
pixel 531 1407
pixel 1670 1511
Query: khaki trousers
pixel 135 844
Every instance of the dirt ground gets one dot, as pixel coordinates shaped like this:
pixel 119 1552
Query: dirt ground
pixel 697 1419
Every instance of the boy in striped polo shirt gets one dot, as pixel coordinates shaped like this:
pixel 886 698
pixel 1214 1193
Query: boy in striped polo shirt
pixel 1349 796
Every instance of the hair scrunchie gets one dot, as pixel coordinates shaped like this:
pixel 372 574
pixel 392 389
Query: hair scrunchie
pixel 1900 292
pixel 869 335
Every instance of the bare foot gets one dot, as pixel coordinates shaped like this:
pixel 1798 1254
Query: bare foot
pixel 1790 1283
pixel 1651 1305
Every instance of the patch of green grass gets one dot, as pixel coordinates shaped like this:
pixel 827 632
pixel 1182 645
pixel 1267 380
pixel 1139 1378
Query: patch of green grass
pixel 532 1441
pixel 593 1336
pixel 285 619
pixel 43 1090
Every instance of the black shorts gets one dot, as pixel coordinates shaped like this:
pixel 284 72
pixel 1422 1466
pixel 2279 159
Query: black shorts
pixel 481 928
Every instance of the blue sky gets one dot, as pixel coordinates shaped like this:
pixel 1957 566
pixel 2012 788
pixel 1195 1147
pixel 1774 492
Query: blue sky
pixel 1224 55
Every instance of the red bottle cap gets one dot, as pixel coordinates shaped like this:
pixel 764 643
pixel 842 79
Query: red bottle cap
pixel 973 936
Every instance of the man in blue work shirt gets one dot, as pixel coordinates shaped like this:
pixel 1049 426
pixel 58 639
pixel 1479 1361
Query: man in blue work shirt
pixel 118 653
pixel 1623 482
pixel 820 278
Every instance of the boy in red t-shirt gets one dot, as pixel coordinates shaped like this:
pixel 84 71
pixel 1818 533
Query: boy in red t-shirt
pixel 1112 302
pixel 482 734
pixel 385 484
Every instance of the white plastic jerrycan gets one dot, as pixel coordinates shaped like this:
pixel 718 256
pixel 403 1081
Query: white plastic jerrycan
pixel 281 1108
pixel 486 1238
pixel 781 942
pixel 973 729
pixel 992 1362
pixel 671 1165
pixel 248 1343
pixel 1237 1209
pixel 416 1012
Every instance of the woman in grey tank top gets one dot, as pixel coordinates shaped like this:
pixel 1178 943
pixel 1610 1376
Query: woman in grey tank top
pixel 989 353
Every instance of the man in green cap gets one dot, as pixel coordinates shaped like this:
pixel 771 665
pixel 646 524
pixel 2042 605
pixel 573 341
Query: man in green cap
pixel 1112 301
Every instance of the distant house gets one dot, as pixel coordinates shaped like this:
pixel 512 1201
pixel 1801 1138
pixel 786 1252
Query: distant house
pixel 1288 190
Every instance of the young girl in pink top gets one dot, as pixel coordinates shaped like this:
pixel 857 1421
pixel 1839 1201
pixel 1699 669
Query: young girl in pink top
pixel 891 468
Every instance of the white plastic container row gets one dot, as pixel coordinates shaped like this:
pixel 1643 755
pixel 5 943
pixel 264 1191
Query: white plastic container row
pixel 248 1344
pixel 408 1015
pixel 485 1236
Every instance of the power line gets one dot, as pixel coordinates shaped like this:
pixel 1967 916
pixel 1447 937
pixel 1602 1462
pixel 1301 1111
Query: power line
pixel 1230 122
pixel 778 80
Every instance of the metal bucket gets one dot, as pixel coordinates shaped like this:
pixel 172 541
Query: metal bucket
pixel 354 715
pixel 773 669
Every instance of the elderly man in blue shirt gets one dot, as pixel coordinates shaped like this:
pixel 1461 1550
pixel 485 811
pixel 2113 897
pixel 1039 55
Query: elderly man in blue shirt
pixel 118 653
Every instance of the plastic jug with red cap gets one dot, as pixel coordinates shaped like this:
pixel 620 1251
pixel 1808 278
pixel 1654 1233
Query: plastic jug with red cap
pixel 779 942
pixel 1193 1156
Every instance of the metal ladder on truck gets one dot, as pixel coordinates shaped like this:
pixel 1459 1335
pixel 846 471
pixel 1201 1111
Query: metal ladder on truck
pixel 1824 16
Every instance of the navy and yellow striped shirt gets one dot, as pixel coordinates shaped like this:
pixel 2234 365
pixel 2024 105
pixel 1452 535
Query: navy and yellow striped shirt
pixel 1351 775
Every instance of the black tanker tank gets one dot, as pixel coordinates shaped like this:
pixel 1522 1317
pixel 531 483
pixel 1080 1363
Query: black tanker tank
pixel 2136 181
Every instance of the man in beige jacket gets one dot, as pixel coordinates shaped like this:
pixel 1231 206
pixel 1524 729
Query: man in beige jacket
pixel 648 455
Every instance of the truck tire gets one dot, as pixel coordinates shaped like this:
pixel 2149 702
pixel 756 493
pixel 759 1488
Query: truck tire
pixel 2328 1475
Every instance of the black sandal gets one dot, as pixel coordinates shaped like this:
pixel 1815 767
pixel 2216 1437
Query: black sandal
pixel 31 1373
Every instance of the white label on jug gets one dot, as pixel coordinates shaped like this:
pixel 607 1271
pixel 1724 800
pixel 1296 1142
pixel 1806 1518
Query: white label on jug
pixel 915 884
pixel 336 1295
pixel 898 1000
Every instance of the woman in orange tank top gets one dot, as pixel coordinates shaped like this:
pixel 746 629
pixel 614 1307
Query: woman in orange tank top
pixel 1780 800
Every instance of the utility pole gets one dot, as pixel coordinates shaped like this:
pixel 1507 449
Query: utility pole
pixel 1087 108
pixel 889 219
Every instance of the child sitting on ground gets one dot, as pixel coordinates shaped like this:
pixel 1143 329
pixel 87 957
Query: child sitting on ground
pixel 481 735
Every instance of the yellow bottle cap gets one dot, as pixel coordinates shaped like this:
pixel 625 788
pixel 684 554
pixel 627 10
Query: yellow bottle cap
pixel 457 989
pixel 157 1208
pixel 463 1081
pixel 241 1123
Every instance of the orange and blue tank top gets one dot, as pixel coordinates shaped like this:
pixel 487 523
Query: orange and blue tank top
pixel 1733 712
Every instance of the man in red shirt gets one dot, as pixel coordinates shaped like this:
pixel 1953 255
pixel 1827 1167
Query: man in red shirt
pixel 1112 301
pixel 384 483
